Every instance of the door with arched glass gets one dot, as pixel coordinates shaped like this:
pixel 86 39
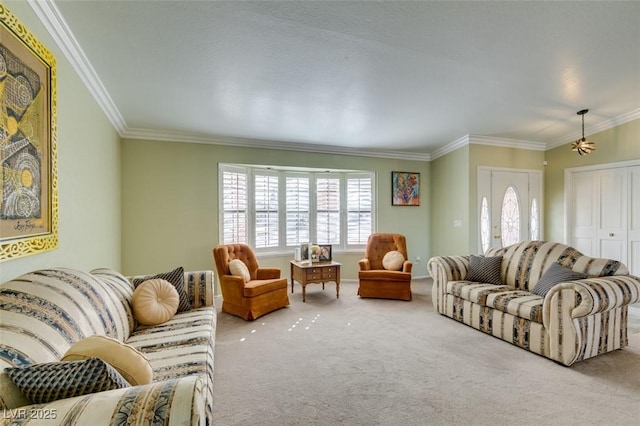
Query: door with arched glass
pixel 509 206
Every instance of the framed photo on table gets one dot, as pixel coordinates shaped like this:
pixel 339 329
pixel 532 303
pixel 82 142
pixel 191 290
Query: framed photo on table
pixel 324 253
pixel 28 154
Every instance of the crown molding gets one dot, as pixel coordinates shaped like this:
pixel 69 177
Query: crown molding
pixel 597 128
pixel 487 140
pixel 450 147
pixel 170 136
pixel 53 21
pixel 507 143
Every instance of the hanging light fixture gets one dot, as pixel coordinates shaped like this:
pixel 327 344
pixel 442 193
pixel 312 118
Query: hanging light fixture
pixel 583 146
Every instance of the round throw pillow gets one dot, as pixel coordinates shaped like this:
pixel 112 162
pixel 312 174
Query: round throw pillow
pixel 154 302
pixel 127 360
pixel 239 269
pixel 392 261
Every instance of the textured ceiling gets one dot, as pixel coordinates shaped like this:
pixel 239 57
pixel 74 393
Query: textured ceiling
pixel 402 76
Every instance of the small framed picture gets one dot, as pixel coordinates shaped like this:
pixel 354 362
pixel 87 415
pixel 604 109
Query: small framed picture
pixel 324 254
pixel 304 252
pixel 405 189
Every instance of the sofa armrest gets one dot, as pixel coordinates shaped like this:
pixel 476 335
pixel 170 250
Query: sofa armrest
pixel 443 269
pixel 592 295
pixel 267 273
pixel 182 401
pixel 407 266
pixel 587 317
pixel 199 286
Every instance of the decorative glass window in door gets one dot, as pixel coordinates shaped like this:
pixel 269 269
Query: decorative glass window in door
pixel 484 224
pixel 510 218
pixel 535 222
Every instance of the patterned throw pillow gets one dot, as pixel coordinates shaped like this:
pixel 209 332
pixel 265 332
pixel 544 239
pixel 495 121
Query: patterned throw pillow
pixel 554 275
pixel 484 269
pixel 175 277
pixel 47 382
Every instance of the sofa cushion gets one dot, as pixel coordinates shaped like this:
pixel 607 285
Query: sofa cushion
pixel 555 274
pixel 474 292
pixel 132 364
pixel 239 269
pixel 484 269
pixel 393 260
pixel 175 277
pixel 47 382
pixel 182 346
pixel 519 303
pixel 257 287
pixel 154 302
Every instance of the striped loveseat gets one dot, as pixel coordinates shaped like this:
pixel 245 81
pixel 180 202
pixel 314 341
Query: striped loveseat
pixel 43 313
pixel 575 320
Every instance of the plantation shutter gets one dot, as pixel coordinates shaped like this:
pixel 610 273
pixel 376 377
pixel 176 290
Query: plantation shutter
pixel 234 205
pixel 266 208
pixel 297 210
pixel 359 209
pixel 327 210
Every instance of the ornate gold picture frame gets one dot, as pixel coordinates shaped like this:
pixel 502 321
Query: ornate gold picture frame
pixel 28 153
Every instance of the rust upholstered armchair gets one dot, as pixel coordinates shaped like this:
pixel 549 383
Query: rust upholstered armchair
pixel 262 292
pixel 375 280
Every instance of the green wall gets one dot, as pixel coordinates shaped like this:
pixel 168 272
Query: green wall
pixel 170 203
pixel 88 173
pixel 621 143
pixel 450 201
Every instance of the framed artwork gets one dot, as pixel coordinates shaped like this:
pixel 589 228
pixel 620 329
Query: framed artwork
pixel 405 189
pixel 324 253
pixel 28 154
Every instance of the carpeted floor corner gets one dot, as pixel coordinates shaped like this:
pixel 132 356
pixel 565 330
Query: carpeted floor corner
pixel 355 361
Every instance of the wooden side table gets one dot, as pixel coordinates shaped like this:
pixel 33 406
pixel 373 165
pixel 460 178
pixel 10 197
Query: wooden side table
pixel 315 273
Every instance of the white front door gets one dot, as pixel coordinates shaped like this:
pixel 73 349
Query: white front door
pixel 509 206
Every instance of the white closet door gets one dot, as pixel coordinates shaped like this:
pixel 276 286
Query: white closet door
pixel 634 220
pixel 612 222
pixel 585 202
pixel 604 213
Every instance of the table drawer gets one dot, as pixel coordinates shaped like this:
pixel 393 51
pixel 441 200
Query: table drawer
pixel 314 273
pixel 329 273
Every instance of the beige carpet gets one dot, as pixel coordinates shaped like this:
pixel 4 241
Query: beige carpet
pixel 355 361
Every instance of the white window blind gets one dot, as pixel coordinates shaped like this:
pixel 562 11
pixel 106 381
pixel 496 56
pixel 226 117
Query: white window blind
pixel 234 202
pixel 327 210
pixel 275 209
pixel 297 208
pixel 266 211
pixel 359 209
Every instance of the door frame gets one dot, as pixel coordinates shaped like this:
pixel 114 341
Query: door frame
pixel 568 189
pixel 482 173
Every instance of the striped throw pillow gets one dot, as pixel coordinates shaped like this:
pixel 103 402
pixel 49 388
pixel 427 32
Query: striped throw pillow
pixel 47 382
pixel 554 275
pixel 484 269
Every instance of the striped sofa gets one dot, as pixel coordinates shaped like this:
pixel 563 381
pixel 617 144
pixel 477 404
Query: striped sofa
pixel 574 321
pixel 42 313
